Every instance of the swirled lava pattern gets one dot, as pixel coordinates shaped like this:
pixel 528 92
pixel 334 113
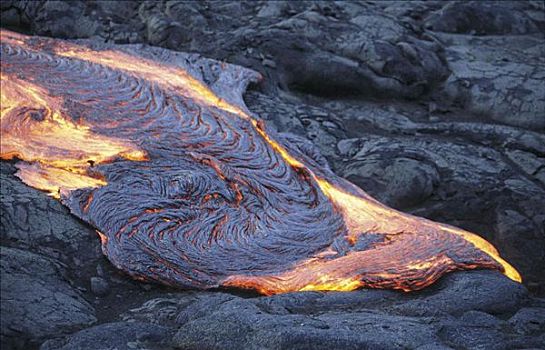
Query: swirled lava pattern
pixel 187 188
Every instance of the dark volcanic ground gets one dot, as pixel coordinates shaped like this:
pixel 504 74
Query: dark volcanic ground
pixel 434 108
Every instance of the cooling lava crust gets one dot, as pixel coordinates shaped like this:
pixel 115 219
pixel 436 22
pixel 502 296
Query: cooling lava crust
pixel 186 187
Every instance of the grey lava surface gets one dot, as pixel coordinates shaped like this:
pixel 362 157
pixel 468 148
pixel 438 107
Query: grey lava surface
pixel 435 108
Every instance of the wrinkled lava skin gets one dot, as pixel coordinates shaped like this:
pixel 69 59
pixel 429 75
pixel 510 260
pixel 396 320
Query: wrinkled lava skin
pixel 187 188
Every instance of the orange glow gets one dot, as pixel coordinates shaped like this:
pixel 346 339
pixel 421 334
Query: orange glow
pixel 346 273
pixel 103 237
pixel 61 151
pixel 361 214
pixel 34 129
pixel 54 180
pixel 165 75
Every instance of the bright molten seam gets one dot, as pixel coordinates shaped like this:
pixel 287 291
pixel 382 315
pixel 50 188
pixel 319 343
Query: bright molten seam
pixel 187 188
pixel 34 129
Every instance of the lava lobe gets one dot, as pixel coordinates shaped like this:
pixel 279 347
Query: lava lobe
pixel 187 188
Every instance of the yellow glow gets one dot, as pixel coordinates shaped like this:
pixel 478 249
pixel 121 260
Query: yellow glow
pixel 54 180
pixel 62 151
pixel 361 214
pixel 340 285
pixel 161 74
pixel 485 246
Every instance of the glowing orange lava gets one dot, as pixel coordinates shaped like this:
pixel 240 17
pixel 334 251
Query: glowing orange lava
pixel 154 116
pixel 34 129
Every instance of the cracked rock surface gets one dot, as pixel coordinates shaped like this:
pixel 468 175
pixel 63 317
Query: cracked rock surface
pixel 362 319
pixel 36 300
pixel 435 108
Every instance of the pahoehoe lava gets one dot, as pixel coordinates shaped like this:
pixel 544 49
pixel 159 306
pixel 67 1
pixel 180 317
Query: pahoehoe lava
pixel 187 188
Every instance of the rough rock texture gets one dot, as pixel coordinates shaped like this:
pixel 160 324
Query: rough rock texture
pixel 500 78
pixel 37 302
pixel 116 335
pixel 33 221
pixel 354 320
pixel 438 164
pixel 488 18
pixel 367 319
pixel 434 107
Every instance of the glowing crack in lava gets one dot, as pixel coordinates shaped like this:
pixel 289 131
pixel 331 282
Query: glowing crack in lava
pixel 186 187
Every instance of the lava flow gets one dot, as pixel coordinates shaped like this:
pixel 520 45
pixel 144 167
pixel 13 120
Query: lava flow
pixel 187 188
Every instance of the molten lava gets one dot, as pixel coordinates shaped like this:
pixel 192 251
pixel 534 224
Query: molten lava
pixel 34 128
pixel 186 187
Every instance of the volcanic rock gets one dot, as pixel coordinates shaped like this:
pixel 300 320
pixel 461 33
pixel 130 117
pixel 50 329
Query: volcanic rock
pixel 41 224
pixel 99 286
pixel 488 18
pixel 399 182
pixel 117 335
pixel 37 301
pixel 529 321
pixel 497 77
pixel 487 292
pixel 360 319
pixel 467 149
